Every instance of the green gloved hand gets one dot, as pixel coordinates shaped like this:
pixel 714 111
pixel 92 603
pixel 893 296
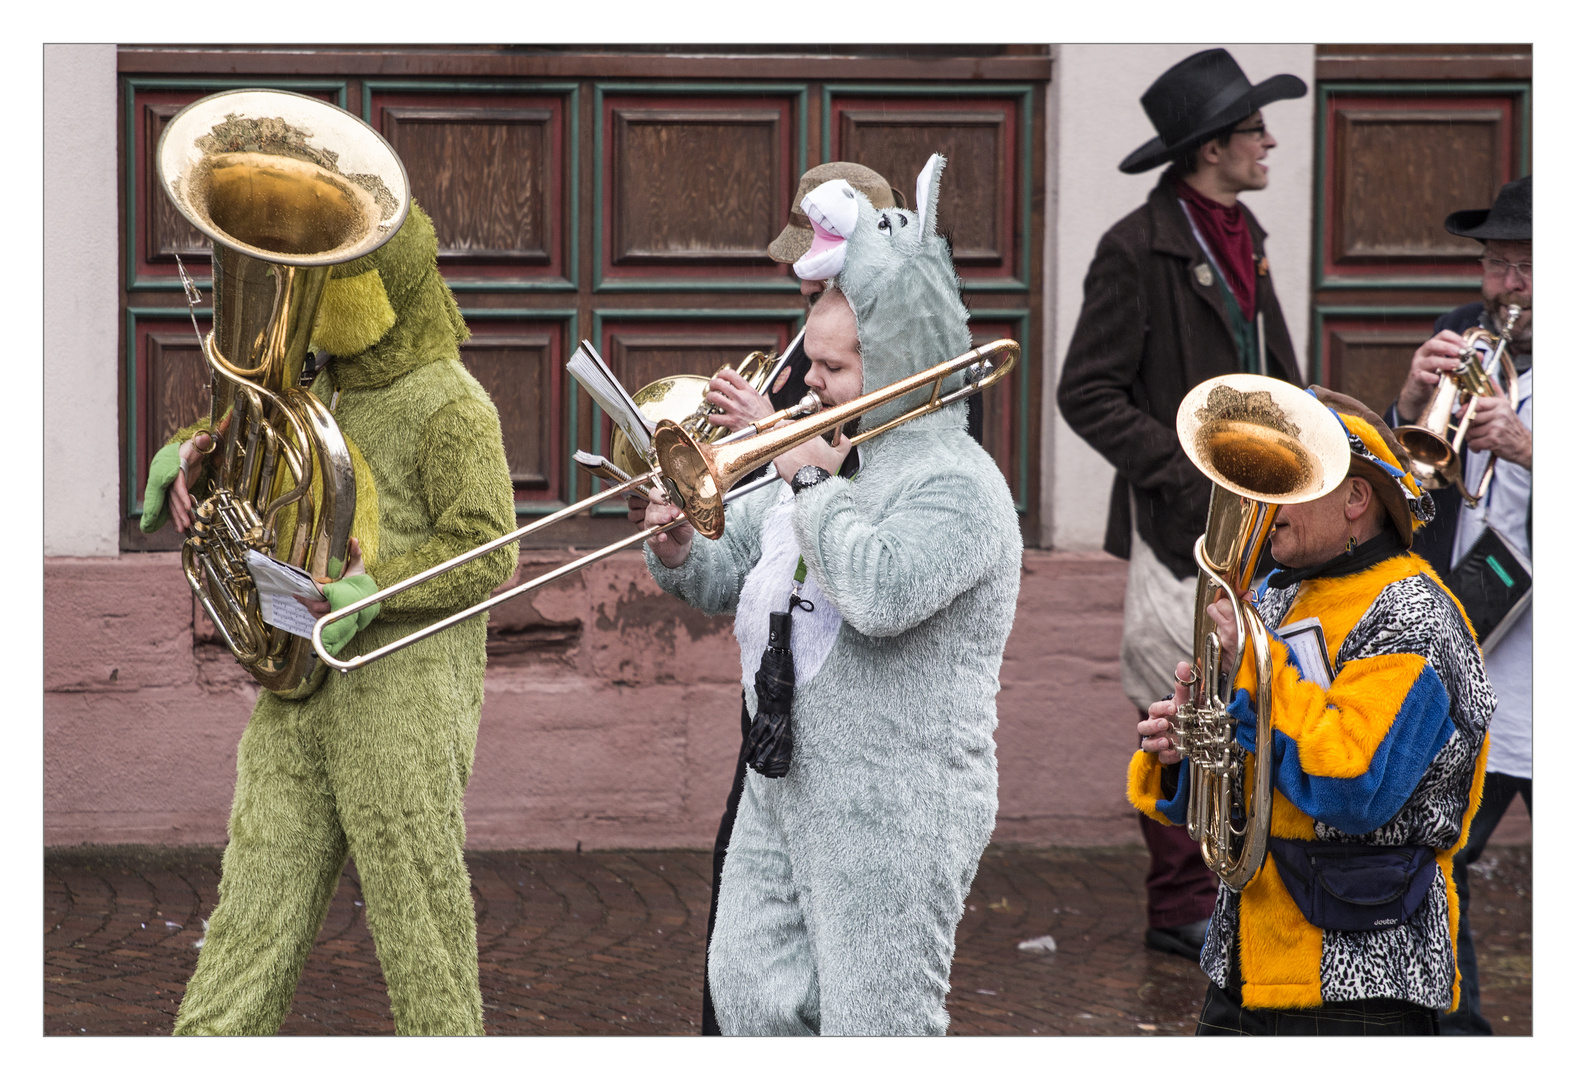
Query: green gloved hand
pixel 343 593
pixel 162 470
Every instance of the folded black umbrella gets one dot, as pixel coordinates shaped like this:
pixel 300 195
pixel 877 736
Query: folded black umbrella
pixel 770 748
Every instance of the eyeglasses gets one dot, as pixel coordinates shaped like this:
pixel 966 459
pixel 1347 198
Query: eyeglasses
pixel 1500 268
pixel 1256 132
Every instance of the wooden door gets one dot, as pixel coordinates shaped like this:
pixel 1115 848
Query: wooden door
pixel 1406 135
pixel 622 197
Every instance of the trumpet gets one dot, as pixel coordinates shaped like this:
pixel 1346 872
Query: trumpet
pixel 1435 441
pixel 700 478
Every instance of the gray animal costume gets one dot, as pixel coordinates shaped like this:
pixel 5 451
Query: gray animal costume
pixel 845 879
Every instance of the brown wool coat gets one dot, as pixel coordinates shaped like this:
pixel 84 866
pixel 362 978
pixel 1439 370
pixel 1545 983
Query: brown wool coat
pixel 1149 332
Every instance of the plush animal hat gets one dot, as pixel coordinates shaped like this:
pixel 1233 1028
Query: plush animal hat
pixel 896 270
pixel 390 311
pixel 798 234
pixel 1377 456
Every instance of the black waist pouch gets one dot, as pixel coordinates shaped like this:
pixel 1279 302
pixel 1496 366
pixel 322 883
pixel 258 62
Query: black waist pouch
pixel 1354 887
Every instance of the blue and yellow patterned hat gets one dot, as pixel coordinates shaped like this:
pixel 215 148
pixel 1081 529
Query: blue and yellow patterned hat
pixel 1378 457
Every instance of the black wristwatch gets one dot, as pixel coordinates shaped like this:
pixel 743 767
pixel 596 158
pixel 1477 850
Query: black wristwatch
pixel 809 476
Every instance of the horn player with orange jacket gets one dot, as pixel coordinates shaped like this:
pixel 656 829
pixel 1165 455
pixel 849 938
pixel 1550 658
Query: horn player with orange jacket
pixel 1380 714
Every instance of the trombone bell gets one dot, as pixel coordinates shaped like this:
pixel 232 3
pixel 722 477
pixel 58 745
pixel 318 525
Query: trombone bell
pixel 691 475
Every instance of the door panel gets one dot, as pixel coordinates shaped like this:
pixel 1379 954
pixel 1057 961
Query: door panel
pixel 629 199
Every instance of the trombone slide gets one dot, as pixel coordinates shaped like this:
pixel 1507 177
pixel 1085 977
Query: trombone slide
pixel 700 478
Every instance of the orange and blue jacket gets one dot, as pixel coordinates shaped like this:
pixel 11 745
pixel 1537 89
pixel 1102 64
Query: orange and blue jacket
pixel 1390 754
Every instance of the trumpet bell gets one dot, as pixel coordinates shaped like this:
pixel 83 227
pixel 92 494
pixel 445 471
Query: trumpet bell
pixel 1435 463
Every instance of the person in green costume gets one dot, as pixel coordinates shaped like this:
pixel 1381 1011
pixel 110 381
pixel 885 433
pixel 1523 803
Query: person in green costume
pixel 372 765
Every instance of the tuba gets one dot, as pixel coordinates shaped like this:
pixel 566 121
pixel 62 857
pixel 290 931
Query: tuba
pixel 1434 442
pixel 1264 444
pixel 286 187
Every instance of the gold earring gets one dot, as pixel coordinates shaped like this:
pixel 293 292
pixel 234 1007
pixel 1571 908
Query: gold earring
pixel 1351 544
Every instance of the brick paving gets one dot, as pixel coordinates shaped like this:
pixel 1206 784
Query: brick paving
pixel 607 943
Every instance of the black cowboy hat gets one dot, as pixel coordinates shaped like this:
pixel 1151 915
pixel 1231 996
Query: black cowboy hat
pixel 1510 218
pixel 1198 96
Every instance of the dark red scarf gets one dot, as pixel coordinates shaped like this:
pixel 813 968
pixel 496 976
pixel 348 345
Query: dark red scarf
pixel 1225 230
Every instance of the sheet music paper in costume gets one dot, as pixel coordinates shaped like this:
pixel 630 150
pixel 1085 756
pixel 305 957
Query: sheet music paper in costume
pixel 280 590
pixel 1305 640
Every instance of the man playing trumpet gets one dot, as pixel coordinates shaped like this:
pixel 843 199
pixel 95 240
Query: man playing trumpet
pixel 1504 431
pixel 1380 715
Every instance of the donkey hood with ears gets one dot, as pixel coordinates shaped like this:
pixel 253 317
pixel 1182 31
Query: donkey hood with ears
pixel 896 270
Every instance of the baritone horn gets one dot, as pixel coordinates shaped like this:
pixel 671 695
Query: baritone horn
pixel 1435 441
pixel 1264 444
pixel 682 399
pixel 699 477
pixel 286 187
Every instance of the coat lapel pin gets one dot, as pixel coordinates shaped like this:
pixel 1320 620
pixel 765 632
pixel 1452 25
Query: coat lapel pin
pixel 1206 276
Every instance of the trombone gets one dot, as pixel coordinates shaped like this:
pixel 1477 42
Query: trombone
pixel 699 478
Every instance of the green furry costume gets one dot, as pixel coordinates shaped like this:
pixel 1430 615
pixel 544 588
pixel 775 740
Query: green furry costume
pixel 374 764
pixel 845 879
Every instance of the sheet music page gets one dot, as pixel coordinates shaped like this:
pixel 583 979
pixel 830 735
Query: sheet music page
pixel 592 373
pixel 280 590
pixel 1305 639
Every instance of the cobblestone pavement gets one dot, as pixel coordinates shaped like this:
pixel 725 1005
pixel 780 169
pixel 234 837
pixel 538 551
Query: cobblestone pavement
pixel 607 943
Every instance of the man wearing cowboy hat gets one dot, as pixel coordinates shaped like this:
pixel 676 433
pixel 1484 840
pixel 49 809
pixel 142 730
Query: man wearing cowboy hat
pixel 1380 723
pixel 1179 292
pixel 1497 428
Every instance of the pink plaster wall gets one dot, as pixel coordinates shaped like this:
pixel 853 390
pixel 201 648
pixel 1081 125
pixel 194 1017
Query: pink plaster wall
pixel 613 723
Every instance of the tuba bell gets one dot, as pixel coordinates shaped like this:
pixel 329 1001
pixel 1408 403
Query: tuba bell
pixel 1434 442
pixel 1264 444
pixel 286 187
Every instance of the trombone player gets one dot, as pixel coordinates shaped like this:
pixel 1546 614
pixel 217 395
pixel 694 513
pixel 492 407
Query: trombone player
pixel 1380 716
pixel 738 405
pixel 851 856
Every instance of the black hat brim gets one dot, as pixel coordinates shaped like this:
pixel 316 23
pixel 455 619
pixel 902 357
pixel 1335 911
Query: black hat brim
pixel 1156 152
pixel 1476 225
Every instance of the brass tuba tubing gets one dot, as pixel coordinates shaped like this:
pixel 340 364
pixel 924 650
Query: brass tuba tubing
pixel 286 187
